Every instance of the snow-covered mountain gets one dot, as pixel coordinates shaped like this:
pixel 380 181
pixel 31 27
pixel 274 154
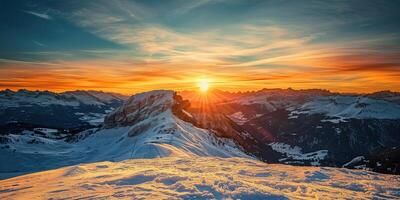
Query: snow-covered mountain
pixel 147 125
pixel 355 107
pixel 57 110
pixel 153 121
pixel 316 127
pixel 379 105
pixel 26 98
pixel 386 95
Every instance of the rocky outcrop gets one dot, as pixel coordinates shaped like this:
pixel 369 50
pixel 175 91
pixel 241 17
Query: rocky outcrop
pixel 140 107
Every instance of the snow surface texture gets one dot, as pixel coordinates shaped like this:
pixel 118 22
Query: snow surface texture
pixel 200 178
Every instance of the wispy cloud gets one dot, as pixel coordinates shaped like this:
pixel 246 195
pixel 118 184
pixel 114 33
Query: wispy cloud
pixel 40 15
pixel 7 62
pixel 38 43
pixel 188 6
pixel 217 45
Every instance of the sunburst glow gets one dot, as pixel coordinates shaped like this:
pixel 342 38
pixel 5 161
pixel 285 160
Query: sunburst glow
pixel 204 84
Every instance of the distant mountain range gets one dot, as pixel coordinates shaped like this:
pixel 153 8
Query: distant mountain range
pixel 57 110
pixel 314 127
pixel 309 127
pixel 43 130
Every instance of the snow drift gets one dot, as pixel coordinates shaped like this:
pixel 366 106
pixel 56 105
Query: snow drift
pixel 200 178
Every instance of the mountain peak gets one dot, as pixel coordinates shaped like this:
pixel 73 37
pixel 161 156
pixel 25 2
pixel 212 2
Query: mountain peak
pixel 139 107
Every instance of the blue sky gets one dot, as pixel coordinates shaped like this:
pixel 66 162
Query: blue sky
pixel 147 44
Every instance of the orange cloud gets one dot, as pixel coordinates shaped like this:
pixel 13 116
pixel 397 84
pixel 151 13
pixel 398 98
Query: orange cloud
pixel 129 77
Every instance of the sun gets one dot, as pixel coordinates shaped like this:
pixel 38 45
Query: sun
pixel 203 84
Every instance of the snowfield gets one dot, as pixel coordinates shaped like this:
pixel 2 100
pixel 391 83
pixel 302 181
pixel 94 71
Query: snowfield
pixel 200 178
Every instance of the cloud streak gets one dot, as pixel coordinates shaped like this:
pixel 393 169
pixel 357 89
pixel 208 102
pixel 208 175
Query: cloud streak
pixel 40 15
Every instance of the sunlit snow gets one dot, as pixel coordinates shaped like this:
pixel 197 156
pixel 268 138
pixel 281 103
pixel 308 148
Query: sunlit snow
pixel 200 178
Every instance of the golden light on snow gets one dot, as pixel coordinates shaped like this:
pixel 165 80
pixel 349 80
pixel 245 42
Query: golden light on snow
pixel 198 178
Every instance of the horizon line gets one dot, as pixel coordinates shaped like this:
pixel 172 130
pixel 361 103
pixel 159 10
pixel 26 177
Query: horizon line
pixel 194 90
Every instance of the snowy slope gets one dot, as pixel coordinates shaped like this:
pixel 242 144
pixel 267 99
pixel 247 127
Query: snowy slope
pixel 200 178
pixel 159 136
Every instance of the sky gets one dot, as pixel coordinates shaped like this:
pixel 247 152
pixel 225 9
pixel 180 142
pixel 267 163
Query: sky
pixel 135 46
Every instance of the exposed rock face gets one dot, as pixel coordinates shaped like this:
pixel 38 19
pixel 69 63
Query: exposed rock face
pixel 140 107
